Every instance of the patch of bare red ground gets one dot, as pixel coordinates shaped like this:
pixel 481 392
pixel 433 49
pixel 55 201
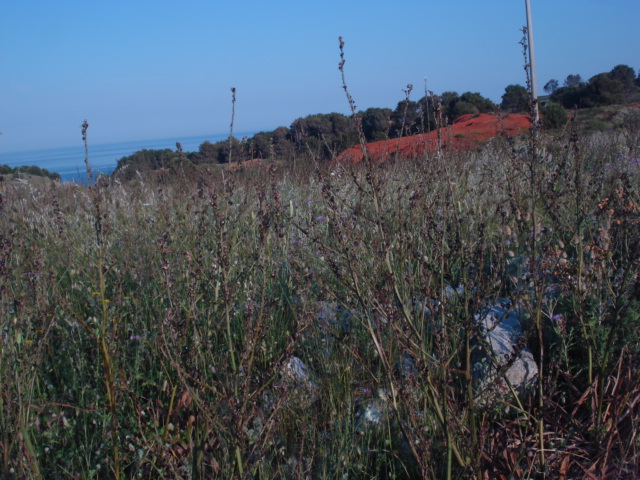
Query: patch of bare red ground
pixel 466 133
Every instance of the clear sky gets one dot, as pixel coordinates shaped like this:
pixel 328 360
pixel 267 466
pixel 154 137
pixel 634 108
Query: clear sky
pixel 142 69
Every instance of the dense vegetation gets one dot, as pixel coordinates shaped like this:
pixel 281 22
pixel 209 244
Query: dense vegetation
pixel 618 86
pixel 28 170
pixel 321 322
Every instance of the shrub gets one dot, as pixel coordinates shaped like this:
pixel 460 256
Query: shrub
pixel 554 116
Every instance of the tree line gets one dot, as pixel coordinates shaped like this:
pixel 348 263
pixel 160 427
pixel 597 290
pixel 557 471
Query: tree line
pixel 323 136
pixel 619 86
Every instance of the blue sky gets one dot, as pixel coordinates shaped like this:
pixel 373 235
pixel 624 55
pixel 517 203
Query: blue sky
pixel 139 69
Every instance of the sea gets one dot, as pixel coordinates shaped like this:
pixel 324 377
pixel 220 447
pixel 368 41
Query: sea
pixel 69 161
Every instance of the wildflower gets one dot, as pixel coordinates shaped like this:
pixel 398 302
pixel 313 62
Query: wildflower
pixel 135 337
pixel 321 219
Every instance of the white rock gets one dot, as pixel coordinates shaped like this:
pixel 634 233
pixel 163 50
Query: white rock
pixel 298 380
pixel 500 326
pixel 374 412
pixel 296 370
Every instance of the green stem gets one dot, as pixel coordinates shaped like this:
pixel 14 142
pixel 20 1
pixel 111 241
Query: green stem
pixel 108 364
pixel 580 315
pixel 239 461
pixel 166 424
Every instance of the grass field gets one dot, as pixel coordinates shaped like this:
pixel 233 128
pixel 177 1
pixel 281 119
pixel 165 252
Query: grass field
pixel 177 327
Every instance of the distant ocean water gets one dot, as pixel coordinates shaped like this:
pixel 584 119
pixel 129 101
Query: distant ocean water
pixel 69 161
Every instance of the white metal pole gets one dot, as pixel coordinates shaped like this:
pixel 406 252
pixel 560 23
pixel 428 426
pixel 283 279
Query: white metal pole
pixel 426 102
pixel 532 61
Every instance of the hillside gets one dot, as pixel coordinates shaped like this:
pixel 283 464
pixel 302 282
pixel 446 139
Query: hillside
pixel 606 117
pixel 467 132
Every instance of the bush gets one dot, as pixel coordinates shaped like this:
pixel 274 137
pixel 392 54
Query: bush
pixel 554 116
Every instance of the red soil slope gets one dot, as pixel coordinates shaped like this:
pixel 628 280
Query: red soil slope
pixel 466 133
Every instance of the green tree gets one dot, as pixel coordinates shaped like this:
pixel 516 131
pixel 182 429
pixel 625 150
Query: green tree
pixel 274 144
pixel 405 118
pixel 625 75
pixel 603 90
pixel 208 152
pixel 448 100
pixel 515 99
pixel 261 145
pixel 455 105
pixel 283 145
pixel 462 107
pixel 233 145
pixel 322 134
pixel 483 104
pixel 573 80
pixel 551 86
pixel 554 116
pixel 569 97
pixel 376 123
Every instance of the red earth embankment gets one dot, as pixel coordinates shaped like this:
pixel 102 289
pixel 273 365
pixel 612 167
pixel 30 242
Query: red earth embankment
pixel 466 133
